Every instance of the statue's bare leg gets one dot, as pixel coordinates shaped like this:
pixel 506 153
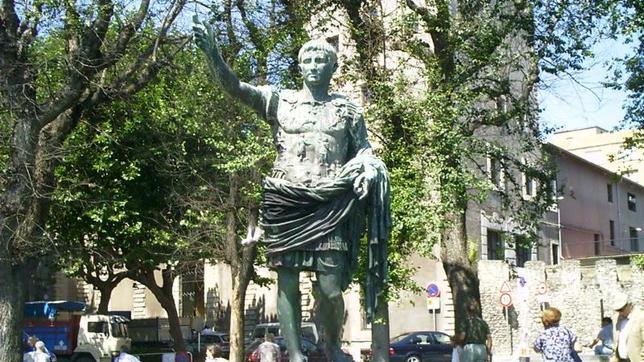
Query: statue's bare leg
pixel 289 311
pixel 331 309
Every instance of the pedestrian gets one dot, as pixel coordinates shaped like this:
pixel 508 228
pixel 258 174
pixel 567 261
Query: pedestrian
pixel 555 342
pixel 628 331
pixel 473 333
pixel 125 356
pixel 40 353
pixel 457 350
pixel 605 336
pixel 213 353
pixel 269 351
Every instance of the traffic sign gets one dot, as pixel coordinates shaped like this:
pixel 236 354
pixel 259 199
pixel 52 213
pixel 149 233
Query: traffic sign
pixel 433 303
pixel 505 288
pixel 542 288
pixel 505 299
pixel 433 290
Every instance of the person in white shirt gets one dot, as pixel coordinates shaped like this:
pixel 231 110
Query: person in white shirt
pixel 124 356
pixel 40 353
pixel 269 351
pixel 213 354
pixel 628 332
pixel 605 336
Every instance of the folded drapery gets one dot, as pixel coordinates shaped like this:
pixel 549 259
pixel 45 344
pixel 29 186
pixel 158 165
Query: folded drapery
pixel 293 216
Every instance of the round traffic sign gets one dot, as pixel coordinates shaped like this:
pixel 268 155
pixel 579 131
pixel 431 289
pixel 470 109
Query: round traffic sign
pixel 542 288
pixel 433 290
pixel 505 299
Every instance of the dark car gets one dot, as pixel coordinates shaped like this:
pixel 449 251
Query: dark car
pixel 313 352
pixel 421 346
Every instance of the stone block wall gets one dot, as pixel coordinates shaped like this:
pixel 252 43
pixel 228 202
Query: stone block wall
pixel 584 294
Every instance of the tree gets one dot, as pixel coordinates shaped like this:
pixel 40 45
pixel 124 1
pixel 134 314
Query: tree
pixel 107 51
pixel 625 24
pixel 459 134
pixel 171 176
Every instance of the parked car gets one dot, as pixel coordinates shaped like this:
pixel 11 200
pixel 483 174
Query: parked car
pixel 421 346
pixel 309 331
pixel 209 337
pixel 313 352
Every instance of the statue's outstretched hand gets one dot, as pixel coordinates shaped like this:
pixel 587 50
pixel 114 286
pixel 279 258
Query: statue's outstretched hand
pixel 204 35
pixel 362 183
pixel 253 235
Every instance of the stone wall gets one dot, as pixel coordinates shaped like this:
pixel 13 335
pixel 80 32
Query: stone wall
pixel 584 294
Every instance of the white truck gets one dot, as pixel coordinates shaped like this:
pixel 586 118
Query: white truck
pixel 71 334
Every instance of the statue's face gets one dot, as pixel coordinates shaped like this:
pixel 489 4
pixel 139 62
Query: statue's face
pixel 316 67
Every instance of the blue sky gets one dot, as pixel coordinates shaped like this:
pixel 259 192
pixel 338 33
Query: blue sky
pixel 584 102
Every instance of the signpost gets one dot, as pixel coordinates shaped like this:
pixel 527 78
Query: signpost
pixel 433 300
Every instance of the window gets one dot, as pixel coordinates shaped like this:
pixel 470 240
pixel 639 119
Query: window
pixel 442 338
pixel 597 244
pixel 555 254
pixel 529 186
pixel 632 205
pixel 421 339
pixel 634 239
pixel 611 231
pixel 98 327
pixel 495 172
pixel 119 329
pixel 609 192
pixel 523 252
pixel 495 249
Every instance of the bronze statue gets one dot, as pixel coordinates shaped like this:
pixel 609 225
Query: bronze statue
pixel 325 184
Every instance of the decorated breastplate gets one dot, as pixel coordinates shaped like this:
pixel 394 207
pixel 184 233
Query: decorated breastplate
pixel 312 138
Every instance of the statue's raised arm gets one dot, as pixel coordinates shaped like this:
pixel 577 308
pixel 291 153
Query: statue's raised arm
pixel 206 40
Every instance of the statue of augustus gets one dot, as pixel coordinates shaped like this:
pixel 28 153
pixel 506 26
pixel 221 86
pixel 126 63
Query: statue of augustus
pixel 325 188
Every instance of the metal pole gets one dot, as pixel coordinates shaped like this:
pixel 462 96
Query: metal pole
pixel 434 313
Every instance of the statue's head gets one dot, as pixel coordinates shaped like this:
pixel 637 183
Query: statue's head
pixel 317 61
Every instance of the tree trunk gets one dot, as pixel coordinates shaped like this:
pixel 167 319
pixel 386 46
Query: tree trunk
pixel 461 273
pixel 380 331
pixel 12 301
pixel 241 279
pixel 106 294
pixel 237 322
pixel 167 302
pixel 165 298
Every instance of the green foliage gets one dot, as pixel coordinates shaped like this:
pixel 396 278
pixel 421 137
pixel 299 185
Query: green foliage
pixel 143 181
pixel 638 260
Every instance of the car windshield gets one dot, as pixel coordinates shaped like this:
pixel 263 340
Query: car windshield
pixel 119 329
pixel 399 338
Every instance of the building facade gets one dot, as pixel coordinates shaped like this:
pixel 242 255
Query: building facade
pixel 601 212
pixel 605 149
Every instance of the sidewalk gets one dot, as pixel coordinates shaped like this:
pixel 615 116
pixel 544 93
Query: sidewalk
pixel 585 356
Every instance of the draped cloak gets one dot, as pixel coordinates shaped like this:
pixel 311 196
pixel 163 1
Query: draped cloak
pixel 294 216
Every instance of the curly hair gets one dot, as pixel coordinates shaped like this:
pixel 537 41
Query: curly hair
pixel 550 317
pixel 321 45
